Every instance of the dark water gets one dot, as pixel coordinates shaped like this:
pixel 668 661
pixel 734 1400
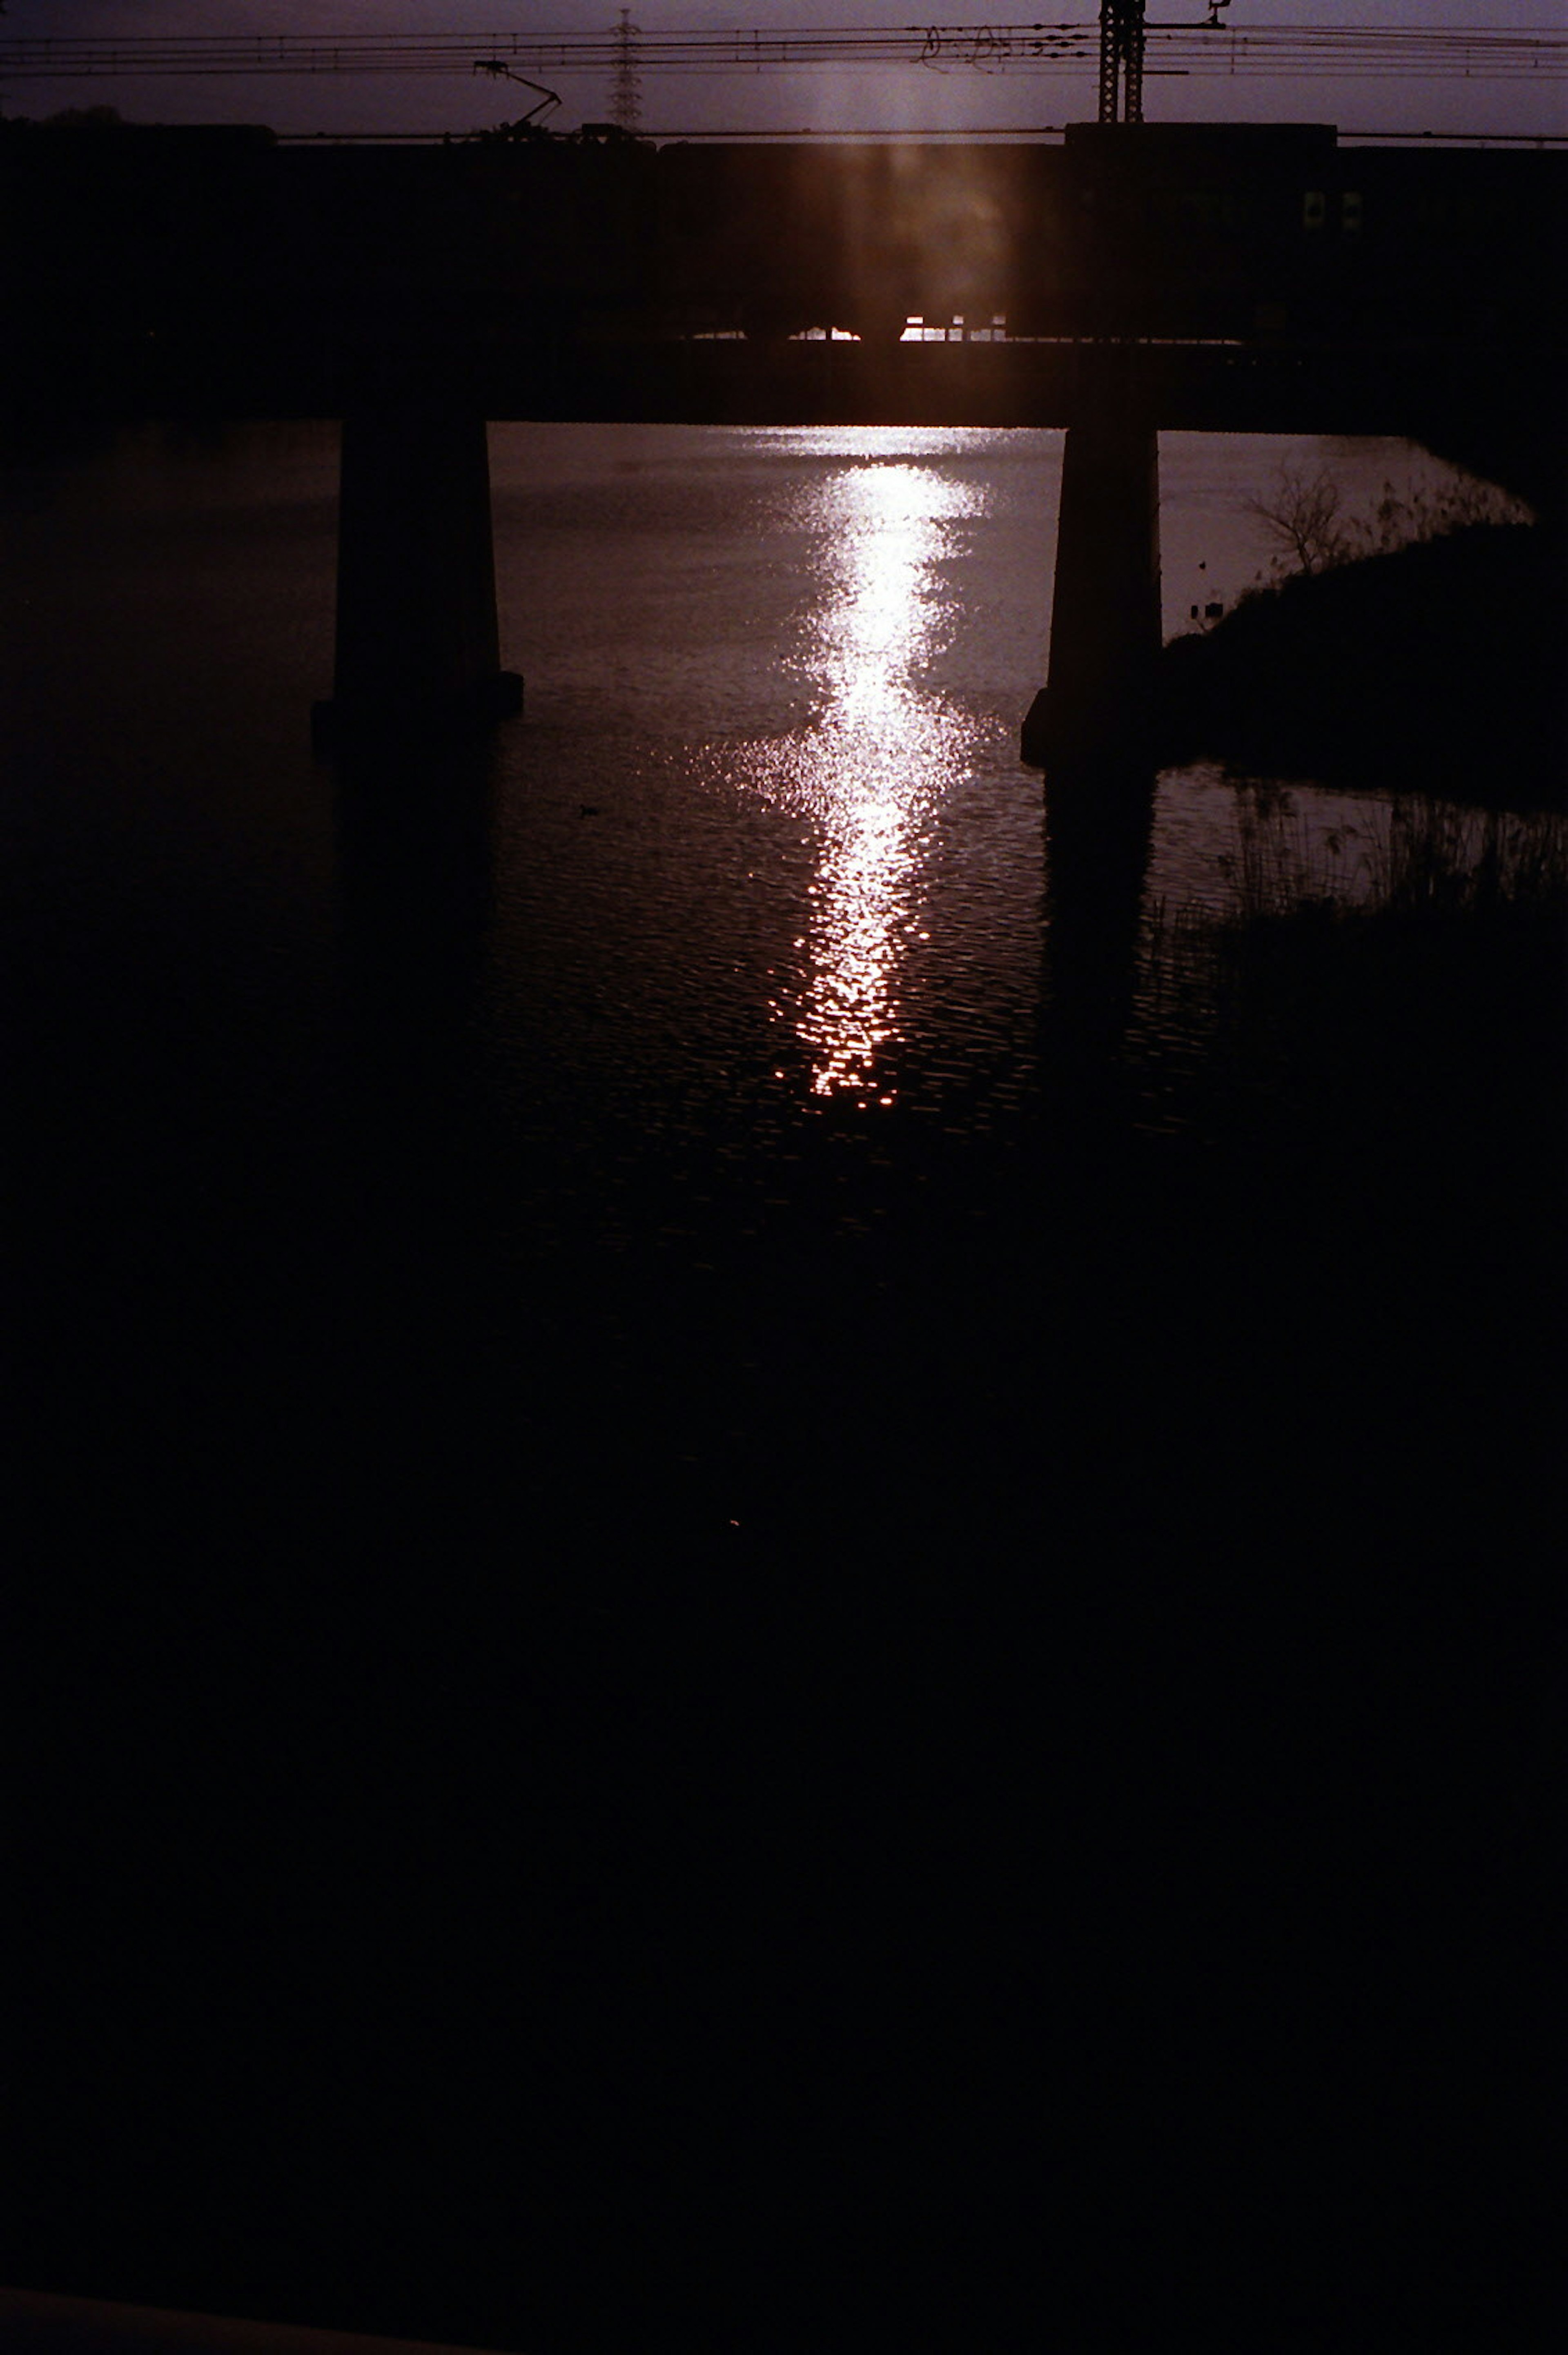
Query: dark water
pixel 731 1636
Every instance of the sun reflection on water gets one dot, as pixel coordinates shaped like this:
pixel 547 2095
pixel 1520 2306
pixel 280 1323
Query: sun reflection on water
pixel 883 752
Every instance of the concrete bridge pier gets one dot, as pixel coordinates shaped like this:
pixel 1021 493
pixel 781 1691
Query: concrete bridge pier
pixel 1104 620
pixel 418 644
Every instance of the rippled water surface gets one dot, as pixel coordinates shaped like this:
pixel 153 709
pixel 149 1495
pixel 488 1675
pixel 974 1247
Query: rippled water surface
pixel 727 1616
pixel 726 963
pixel 768 779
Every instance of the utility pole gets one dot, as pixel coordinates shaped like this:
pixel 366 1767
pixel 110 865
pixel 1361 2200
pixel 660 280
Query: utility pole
pixel 1121 60
pixel 626 106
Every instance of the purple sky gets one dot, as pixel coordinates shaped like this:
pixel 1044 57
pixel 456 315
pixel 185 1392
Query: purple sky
pixel 824 98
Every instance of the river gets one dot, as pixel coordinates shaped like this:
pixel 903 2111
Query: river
pixel 734 1646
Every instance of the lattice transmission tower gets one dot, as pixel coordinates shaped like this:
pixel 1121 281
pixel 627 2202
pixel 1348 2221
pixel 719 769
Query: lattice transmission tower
pixel 626 99
pixel 1121 60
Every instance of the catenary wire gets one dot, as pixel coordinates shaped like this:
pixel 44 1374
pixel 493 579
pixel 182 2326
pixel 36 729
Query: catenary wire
pixel 1278 51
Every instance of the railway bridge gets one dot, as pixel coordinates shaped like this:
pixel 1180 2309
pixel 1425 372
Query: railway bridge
pixel 1133 276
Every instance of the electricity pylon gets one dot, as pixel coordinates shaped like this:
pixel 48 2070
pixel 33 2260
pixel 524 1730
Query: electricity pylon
pixel 626 106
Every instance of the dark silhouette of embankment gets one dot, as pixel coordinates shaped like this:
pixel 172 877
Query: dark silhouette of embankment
pixel 1439 666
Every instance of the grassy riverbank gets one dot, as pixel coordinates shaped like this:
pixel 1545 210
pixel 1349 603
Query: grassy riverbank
pixel 1438 665
pixel 1370 1114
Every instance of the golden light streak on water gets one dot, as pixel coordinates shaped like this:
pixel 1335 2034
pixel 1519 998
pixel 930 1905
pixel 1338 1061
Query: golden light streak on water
pixel 883 751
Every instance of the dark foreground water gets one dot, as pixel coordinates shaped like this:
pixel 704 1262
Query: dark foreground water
pixel 755 1612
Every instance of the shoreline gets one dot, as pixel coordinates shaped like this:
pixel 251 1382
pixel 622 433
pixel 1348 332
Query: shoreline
pixel 1441 663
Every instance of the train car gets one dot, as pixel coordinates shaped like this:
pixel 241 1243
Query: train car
pixel 1188 231
pixel 134 254
pixel 542 236
pixel 1182 231
pixel 860 235
pixel 1468 243
pixel 1165 231
pixel 222 259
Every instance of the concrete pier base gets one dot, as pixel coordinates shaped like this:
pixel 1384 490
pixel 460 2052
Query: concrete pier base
pixel 418 643
pixel 1104 623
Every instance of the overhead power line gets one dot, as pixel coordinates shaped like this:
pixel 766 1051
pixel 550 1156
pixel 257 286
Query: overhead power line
pixel 1210 50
